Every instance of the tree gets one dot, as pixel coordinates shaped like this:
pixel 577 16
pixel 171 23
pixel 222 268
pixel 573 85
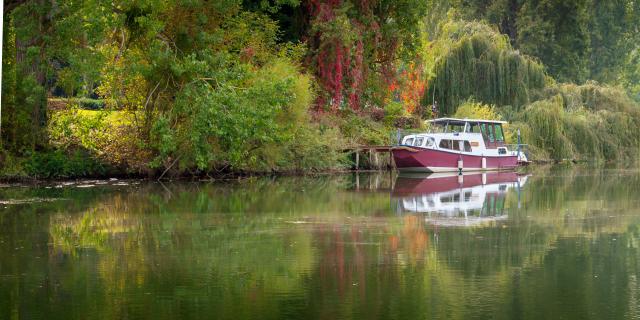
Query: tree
pixel 577 40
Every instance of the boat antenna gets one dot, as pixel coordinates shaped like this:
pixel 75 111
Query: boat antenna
pixel 519 144
pixel 433 94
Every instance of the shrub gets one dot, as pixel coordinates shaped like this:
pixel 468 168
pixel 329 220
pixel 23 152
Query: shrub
pixel 61 164
pixel 109 136
pixel 392 111
pixel 90 104
pixel 244 120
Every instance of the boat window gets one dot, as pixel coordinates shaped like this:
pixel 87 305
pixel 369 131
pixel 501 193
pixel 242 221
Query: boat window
pixel 475 128
pixel 467 146
pixel 499 133
pixel 502 150
pixel 445 144
pixel 430 142
pixel 418 142
pixel 409 142
pixel 455 145
pixel 450 198
pixel 490 133
pixel 484 129
pixel 455 128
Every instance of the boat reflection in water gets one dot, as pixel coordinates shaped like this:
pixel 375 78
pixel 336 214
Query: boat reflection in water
pixel 456 200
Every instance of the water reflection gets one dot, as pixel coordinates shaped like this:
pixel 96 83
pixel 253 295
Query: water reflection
pixel 452 199
pixel 336 247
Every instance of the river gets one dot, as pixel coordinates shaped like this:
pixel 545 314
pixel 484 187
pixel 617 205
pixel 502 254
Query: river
pixel 556 243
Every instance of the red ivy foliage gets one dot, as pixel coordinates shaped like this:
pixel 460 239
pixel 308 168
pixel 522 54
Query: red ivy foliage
pixel 343 58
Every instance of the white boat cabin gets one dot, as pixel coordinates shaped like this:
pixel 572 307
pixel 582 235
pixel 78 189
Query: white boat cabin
pixel 463 136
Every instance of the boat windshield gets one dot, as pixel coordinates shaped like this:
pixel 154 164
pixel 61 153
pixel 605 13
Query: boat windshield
pixel 499 133
pixel 491 130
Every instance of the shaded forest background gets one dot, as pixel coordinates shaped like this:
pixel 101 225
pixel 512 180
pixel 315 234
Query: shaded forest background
pixel 204 87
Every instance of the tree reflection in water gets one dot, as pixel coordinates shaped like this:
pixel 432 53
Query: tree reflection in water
pixel 564 246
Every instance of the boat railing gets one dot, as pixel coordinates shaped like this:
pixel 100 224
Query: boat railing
pixel 401 133
pixel 524 148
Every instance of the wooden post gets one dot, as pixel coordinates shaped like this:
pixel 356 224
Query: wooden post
pixel 357 160
pixel 392 164
pixel 375 159
pixel 392 180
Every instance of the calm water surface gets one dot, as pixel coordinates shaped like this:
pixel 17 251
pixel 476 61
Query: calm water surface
pixel 560 243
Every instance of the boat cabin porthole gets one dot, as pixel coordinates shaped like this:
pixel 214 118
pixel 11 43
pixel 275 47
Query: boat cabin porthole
pixel 430 142
pixel 409 142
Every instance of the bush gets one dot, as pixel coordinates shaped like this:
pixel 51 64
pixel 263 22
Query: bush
pixel 392 111
pixel 11 167
pixel 247 120
pixel 61 164
pixel 359 130
pixel 90 104
pixel 109 136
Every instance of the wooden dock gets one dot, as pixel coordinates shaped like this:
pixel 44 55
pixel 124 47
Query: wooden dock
pixel 372 152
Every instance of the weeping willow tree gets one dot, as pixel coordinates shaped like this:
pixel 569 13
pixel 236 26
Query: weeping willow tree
pixel 561 127
pixel 478 62
pixel 593 96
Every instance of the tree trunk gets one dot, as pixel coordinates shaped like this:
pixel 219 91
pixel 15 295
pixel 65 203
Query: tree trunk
pixel 34 66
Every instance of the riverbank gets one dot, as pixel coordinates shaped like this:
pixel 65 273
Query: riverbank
pixel 366 165
pixel 15 175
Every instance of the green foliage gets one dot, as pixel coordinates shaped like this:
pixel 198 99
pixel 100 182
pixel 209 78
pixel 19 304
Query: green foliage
pixel 63 164
pixel 108 136
pixel 392 111
pixel 206 83
pixel 77 127
pixel 593 96
pixel 360 130
pixel 565 21
pixel 91 104
pixel 475 110
pixel 312 147
pixel 244 118
pixel 478 62
pixel 547 130
pixel 576 40
pixel 11 167
pixel 560 130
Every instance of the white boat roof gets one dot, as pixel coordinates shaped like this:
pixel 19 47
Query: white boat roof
pixel 463 121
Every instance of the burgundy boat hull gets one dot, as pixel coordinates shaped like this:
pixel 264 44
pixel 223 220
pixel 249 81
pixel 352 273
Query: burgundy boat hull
pixel 429 160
